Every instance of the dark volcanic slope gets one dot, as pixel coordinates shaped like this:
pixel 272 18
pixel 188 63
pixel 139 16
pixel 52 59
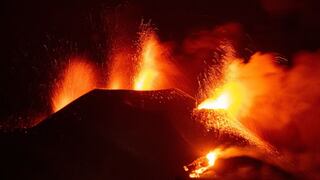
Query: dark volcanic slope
pixel 117 134
pixel 105 134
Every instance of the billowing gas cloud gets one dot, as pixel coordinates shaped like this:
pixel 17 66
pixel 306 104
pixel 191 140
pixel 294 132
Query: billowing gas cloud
pixel 285 104
pixel 279 98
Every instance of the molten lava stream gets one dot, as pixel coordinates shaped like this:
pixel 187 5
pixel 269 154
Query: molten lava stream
pixel 203 164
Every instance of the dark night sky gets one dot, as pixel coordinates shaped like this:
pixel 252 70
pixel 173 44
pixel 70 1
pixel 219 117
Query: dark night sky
pixel 37 35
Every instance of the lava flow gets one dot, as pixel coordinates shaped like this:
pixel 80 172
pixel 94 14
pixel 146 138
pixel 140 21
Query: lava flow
pixel 203 164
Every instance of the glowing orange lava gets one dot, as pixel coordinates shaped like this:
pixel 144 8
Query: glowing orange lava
pixel 203 164
pixel 146 69
pixel 148 74
pixel 120 70
pixel 78 79
pixel 233 99
pixel 230 97
pixel 222 102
